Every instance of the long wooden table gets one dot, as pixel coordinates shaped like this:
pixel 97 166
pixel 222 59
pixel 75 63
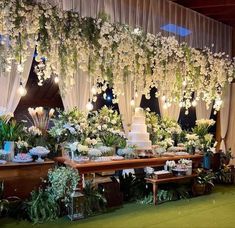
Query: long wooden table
pixel 21 178
pixel 92 167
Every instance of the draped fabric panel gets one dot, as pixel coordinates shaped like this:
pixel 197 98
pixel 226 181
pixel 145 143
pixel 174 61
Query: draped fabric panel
pixel 224 117
pixel 230 142
pixel 78 95
pixel 202 111
pixel 151 15
pixel 172 112
pixel 9 84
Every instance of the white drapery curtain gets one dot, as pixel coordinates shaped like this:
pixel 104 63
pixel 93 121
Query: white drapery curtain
pixel 202 111
pixel 10 82
pixel 151 15
pixel 230 142
pixel 78 95
pixel 224 117
pixel 125 108
pixel 172 112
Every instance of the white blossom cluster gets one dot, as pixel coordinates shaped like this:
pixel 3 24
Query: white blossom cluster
pixel 112 53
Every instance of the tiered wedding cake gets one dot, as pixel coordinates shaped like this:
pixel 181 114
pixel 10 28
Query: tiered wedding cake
pixel 138 135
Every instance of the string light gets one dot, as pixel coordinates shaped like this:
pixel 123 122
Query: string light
pixel 56 79
pixel 165 106
pixel 136 94
pixel 132 102
pixel 21 90
pixel 163 98
pixel 89 106
pixel 93 90
pixel 194 103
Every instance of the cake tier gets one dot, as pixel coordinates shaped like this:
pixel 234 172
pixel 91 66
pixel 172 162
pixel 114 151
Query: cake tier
pixel 138 128
pixel 136 136
pixel 138 119
pixel 142 145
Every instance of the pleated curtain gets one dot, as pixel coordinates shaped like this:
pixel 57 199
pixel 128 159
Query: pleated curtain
pixel 224 117
pixel 172 112
pixel 202 111
pixel 9 84
pixel 77 95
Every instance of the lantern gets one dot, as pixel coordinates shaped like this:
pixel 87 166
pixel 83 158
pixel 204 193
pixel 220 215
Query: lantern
pixel 76 205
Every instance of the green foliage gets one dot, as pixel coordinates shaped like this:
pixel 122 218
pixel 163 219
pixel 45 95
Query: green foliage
pixel 10 131
pixel 62 181
pixel 3 202
pixel 110 139
pixel 94 200
pixel 42 207
pixel 133 187
pixel 224 175
pixel 205 177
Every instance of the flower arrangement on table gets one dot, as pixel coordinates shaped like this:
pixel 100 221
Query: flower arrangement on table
pixel 70 126
pixel 207 143
pixel 163 131
pixel 107 124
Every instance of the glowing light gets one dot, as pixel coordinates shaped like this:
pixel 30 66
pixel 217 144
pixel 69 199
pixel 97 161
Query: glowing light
pixel 132 102
pixel 21 90
pixel 89 106
pixel 165 106
pixel 184 83
pixel 56 79
pixel 163 98
pixel 136 94
pixel 93 90
pixel 194 103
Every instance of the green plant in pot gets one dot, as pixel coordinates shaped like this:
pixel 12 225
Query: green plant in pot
pixel 204 182
pixel 9 133
pixel 226 157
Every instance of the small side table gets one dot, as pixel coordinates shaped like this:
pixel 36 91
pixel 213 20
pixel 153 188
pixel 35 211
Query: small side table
pixel 155 182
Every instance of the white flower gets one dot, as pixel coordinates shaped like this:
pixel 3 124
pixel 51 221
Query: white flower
pixel 34 131
pixel 170 164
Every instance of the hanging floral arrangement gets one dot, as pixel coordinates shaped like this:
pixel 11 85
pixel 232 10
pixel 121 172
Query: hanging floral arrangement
pixel 112 53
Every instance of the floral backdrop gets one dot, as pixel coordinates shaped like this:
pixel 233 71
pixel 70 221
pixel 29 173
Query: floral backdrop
pixel 111 53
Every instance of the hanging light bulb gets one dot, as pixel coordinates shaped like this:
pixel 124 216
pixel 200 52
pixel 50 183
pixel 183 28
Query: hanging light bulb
pixel 56 79
pixel 21 90
pixel 89 106
pixel 165 106
pixel 194 103
pixel 136 94
pixel 168 104
pixel 93 90
pixel 163 98
pixel 132 102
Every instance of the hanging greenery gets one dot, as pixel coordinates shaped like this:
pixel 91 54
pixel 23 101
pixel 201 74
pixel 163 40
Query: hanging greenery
pixel 112 53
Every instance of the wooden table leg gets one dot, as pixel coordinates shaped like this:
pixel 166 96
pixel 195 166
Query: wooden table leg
pixel 155 190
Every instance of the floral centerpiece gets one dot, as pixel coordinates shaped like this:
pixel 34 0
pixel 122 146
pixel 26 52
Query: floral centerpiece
pixel 192 141
pixel 163 131
pixel 70 126
pixel 107 124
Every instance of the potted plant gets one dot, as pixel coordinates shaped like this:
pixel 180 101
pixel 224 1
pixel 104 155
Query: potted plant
pixel 10 132
pixel 226 157
pixel 203 183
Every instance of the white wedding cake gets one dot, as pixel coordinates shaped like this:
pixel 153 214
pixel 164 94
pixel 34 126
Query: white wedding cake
pixel 138 135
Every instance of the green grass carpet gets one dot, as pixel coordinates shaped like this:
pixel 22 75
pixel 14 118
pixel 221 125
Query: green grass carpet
pixel 215 210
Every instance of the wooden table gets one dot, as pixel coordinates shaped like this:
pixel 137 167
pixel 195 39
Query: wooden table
pixel 92 167
pixel 21 178
pixel 155 182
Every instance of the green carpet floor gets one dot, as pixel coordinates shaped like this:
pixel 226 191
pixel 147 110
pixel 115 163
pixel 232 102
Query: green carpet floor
pixel 215 210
